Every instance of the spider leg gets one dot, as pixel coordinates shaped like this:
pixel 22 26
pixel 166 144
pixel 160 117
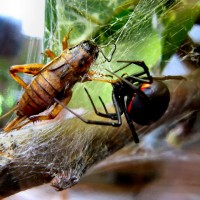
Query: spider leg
pixel 136 75
pixel 103 104
pixel 130 123
pixel 133 87
pixel 107 115
pixel 87 121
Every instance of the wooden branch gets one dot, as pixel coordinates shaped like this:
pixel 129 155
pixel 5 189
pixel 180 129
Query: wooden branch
pixel 61 150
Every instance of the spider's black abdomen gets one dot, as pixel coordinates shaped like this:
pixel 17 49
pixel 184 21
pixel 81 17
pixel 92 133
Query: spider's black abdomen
pixel 145 112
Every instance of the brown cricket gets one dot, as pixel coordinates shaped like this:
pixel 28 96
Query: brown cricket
pixel 53 81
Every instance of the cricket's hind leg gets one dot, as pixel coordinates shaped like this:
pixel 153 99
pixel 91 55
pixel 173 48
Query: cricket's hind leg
pixel 15 124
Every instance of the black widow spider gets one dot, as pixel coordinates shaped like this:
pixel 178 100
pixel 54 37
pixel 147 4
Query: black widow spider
pixel 140 97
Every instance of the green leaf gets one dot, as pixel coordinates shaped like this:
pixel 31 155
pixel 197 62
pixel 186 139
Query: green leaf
pixel 177 22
